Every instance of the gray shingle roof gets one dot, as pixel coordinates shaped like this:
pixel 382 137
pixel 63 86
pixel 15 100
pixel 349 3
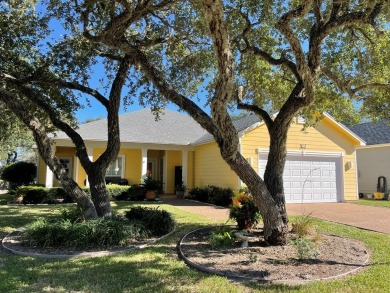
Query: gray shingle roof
pixel 141 127
pixel 240 125
pixel 378 133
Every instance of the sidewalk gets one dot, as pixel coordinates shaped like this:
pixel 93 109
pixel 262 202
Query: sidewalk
pixel 364 217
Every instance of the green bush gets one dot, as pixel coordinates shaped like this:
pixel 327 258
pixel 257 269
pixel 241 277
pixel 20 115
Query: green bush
pixel 221 237
pixel 37 194
pixel 136 192
pixel 58 193
pixel 19 173
pixel 221 196
pixel 33 194
pixel 114 190
pixel 212 194
pixel 102 232
pixel 159 222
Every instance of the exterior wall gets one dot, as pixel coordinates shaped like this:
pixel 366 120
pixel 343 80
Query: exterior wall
pixel 41 171
pixel 211 169
pixel 173 158
pixel 133 163
pixel 325 137
pixel 373 162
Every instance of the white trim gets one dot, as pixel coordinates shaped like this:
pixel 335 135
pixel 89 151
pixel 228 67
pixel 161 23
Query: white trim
pixel 144 164
pixel 128 145
pixel 362 142
pixel 154 162
pixel 75 168
pixel 90 156
pixel 123 167
pixel 304 153
pixel 165 171
pixel 184 165
pixel 372 146
pixel 49 177
pixel 239 183
pixel 356 176
pixel 301 120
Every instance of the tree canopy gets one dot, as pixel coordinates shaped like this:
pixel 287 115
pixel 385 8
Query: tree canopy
pixel 290 57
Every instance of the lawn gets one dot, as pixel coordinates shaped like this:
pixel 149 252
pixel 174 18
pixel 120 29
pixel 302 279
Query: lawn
pixel 374 202
pixel 158 269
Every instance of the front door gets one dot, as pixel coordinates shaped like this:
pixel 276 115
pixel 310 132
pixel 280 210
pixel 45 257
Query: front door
pixel 152 168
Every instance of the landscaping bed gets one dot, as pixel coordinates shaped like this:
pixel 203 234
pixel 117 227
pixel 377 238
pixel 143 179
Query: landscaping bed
pixel 336 257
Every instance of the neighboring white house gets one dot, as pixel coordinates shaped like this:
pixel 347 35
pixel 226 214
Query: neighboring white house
pixel 373 159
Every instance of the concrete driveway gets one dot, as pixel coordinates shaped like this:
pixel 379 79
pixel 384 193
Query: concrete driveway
pixel 361 216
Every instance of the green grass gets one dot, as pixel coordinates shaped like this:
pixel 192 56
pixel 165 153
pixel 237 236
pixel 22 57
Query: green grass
pixel 373 202
pixel 158 269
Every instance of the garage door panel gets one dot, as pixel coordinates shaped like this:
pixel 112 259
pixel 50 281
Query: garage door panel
pixel 309 179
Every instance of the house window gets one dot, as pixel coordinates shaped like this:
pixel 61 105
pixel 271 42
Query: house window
pixel 116 169
pixel 67 164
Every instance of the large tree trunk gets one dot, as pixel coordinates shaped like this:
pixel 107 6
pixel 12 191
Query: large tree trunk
pixel 273 213
pixel 99 193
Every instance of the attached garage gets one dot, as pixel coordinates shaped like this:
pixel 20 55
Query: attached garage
pixel 310 177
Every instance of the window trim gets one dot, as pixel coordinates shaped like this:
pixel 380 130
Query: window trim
pixel 122 173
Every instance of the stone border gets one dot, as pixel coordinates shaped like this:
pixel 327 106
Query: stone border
pixel 100 253
pixel 261 280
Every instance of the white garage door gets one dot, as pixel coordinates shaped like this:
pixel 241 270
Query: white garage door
pixel 309 179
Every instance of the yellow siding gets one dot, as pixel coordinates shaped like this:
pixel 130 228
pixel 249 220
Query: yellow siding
pixel 325 137
pixel 41 172
pixel 174 158
pixel 211 169
pixel 133 163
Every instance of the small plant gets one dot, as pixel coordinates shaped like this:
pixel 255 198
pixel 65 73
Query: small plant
pixel 306 249
pixel 304 226
pixel 222 236
pixel 253 258
pixel 244 211
pixel 158 222
pixel 152 184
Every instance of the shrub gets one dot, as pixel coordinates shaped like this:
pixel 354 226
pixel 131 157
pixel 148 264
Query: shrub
pixel 114 190
pixel 32 194
pixel 159 222
pixel 221 196
pixel 244 211
pixel 58 193
pixel 95 233
pixel 212 194
pixel 222 236
pixel 19 173
pixel 199 193
pixel 135 192
pixel 37 194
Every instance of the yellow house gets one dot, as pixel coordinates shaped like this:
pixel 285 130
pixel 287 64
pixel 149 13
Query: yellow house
pixel 320 166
